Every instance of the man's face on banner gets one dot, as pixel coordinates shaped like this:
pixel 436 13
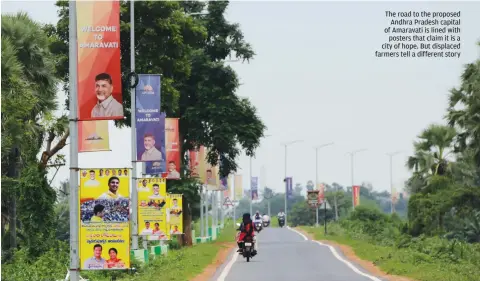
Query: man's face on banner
pixel 148 142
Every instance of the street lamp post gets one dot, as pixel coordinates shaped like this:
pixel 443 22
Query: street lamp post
pixel 352 154
pixel 251 200
pixel 285 180
pixel 316 171
pixel 390 155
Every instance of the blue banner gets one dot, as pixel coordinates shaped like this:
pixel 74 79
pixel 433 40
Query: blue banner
pixel 254 187
pixel 150 123
pixel 289 187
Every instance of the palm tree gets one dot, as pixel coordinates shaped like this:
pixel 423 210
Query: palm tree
pixel 463 110
pixel 432 151
pixel 28 97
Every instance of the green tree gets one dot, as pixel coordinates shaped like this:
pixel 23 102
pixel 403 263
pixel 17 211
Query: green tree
pixel 463 108
pixel 28 100
pixel 197 86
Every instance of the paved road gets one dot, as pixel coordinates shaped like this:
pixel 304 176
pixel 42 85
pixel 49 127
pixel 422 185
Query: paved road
pixel 285 255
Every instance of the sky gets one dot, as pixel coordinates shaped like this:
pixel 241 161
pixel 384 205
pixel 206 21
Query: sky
pixel 315 78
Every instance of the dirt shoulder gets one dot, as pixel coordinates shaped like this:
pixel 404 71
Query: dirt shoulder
pixel 348 252
pixel 219 259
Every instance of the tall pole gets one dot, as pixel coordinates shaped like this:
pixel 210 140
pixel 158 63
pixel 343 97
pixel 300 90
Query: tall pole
pixel 73 126
pixel 202 205
pixel 251 207
pixel 316 172
pixel 285 179
pixel 286 186
pixel 390 155
pixel 352 154
pixel 134 227
pixel 316 182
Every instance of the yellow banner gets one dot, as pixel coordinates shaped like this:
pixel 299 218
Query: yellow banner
pixel 175 214
pixel 104 219
pixel 152 203
pixel 238 187
pixel 93 136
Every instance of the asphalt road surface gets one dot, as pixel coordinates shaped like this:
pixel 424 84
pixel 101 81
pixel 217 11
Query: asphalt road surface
pixel 287 255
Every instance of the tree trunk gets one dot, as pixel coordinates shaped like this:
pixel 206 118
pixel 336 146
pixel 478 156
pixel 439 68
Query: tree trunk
pixel 187 224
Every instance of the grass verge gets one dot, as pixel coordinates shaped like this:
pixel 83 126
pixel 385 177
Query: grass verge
pixel 421 265
pixel 185 263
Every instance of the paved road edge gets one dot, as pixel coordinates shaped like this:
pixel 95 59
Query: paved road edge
pixel 336 254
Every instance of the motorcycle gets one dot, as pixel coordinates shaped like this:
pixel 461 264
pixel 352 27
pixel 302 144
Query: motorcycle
pixel 258 226
pixel 266 221
pixel 281 221
pixel 247 247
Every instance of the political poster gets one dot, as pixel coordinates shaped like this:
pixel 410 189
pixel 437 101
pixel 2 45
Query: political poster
pixel 93 136
pixel 98 59
pixel 152 206
pixel 356 195
pixel 321 193
pixel 238 186
pixel 104 219
pixel 175 214
pixel 254 187
pixel 197 163
pixel 172 147
pixel 289 187
pixel 150 122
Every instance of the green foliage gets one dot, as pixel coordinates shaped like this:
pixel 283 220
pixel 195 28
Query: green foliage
pixel 28 99
pixel 382 239
pixel 446 166
pixel 51 265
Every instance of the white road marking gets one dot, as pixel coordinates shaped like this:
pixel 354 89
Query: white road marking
pixel 298 232
pixel 338 257
pixel 228 267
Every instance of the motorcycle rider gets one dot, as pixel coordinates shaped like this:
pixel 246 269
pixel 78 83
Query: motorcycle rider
pixel 246 228
pixel 257 215
pixel 281 214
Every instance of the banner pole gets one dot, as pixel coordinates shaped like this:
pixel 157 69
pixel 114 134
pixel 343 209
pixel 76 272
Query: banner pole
pixel 202 201
pixel 74 270
pixel 286 187
pixel 134 224
pixel 251 199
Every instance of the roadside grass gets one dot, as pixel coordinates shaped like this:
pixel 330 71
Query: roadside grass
pixel 185 263
pixel 429 259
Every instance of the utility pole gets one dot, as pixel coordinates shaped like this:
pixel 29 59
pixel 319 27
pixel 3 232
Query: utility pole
pixel 285 179
pixel 390 155
pixel 316 172
pixel 73 126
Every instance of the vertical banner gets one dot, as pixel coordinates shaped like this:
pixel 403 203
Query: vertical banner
pixel 93 136
pixel 238 186
pixel 227 184
pixel 312 198
pixel 356 195
pixel 175 214
pixel 150 122
pixel 193 163
pixel 104 219
pixel 254 188
pixel 289 187
pixel 321 193
pixel 152 205
pixel 200 166
pixel 172 148
pixel 212 177
pixel 99 78
pixel 394 196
